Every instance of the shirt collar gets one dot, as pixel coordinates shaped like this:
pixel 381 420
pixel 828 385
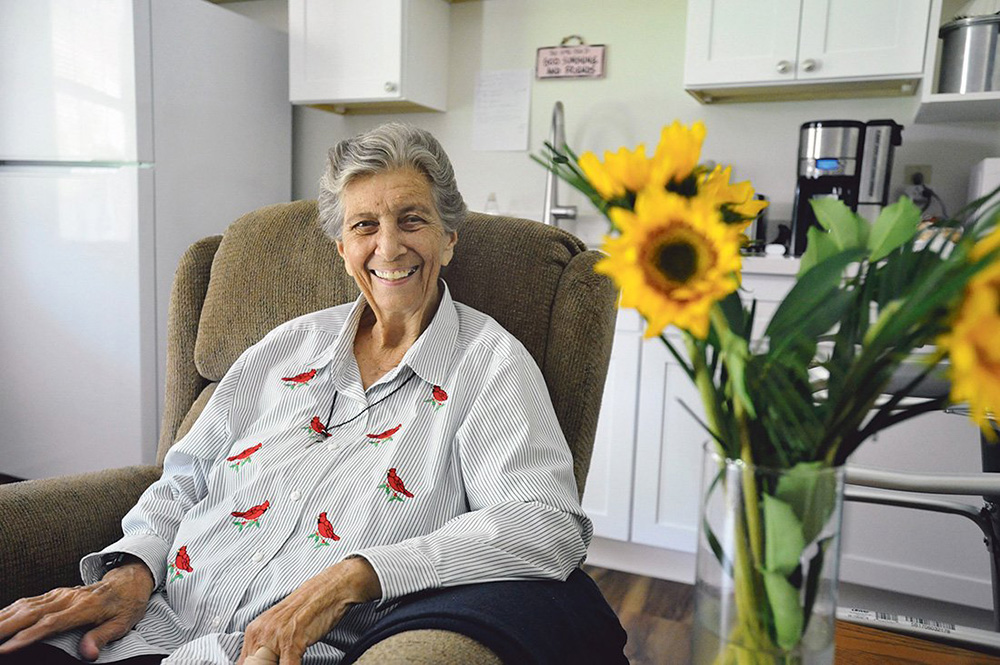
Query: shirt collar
pixel 429 357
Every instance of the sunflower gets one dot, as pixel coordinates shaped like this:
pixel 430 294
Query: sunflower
pixel 972 341
pixel 674 259
pixel 677 153
pixel 621 172
pixel 737 200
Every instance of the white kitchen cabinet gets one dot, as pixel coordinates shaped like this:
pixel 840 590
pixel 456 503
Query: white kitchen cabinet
pixel 669 438
pixel 644 477
pixel 786 49
pixel 667 453
pixel 608 496
pixel 950 106
pixel 369 57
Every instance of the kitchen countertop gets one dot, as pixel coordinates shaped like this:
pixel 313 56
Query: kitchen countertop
pixel 770 265
pixel 591 228
pixel 758 265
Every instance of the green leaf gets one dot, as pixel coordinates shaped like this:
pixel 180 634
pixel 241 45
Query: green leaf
pixel 732 308
pixel 813 580
pixel 812 303
pixel 846 228
pixel 784 601
pixel 819 247
pixel 783 541
pixel 737 352
pixel 897 224
pixel 887 314
pixel 811 491
pixel 717 550
pixel 713 541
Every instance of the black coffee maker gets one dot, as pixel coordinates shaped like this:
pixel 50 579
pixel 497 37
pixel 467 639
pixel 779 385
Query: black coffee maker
pixel 843 159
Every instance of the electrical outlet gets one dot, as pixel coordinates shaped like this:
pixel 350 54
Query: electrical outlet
pixel 911 170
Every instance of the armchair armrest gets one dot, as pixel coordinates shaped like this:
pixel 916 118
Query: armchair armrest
pixel 428 647
pixel 49 524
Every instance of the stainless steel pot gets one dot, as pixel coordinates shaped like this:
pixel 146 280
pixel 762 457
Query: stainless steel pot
pixel 970 55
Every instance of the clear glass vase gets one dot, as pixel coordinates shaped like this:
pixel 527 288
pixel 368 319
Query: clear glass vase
pixel 768 561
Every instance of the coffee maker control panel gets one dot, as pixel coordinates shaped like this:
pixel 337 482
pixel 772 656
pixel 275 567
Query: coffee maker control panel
pixel 816 168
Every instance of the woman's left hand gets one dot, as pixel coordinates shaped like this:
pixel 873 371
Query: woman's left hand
pixel 311 611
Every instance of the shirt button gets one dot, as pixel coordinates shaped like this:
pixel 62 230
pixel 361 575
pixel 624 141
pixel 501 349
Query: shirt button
pixel 216 622
pixel 257 557
pixel 331 446
pixel 296 495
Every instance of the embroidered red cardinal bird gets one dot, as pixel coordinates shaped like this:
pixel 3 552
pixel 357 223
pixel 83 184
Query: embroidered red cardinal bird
pixel 384 436
pixel 324 532
pixel 299 379
pixel 182 562
pixel 251 516
pixel 438 397
pixel 243 457
pixel 395 484
pixel 317 426
pixel 325 529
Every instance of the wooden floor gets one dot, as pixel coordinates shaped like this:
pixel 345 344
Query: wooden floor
pixel 656 615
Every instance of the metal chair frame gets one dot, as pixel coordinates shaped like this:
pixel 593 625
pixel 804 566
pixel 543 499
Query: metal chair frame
pixel 890 488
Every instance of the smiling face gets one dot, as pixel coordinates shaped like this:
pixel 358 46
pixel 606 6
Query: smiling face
pixel 394 244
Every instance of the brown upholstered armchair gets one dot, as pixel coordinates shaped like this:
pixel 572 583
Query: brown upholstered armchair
pixel 270 266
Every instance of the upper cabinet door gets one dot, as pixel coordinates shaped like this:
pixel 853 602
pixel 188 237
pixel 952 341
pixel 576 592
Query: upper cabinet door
pixel 376 56
pixel 736 40
pixel 857 38
pixel 345 50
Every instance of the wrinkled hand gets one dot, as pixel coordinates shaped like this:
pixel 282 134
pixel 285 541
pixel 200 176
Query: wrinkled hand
pixel 310 612
pixel 112 606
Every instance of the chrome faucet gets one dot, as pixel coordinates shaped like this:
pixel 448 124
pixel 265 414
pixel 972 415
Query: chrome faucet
pixel 553 212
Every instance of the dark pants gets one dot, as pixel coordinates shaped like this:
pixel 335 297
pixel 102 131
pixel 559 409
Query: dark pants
pixel 538 622
pixel 43 654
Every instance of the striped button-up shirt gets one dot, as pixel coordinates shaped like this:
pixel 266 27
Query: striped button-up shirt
pixel 450 469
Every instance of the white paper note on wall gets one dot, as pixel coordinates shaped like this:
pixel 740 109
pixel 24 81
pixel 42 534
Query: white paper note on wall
pixel 503 101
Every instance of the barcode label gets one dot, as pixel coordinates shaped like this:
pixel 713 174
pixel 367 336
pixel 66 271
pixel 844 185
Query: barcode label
pixel 915 622
pixel 917 626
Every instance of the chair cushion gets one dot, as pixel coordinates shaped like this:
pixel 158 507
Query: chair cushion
pixel 183 382
pixel 275 264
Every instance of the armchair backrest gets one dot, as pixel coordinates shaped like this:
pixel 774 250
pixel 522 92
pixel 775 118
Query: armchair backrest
pixel 275 263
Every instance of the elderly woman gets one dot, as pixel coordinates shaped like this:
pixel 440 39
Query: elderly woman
pixel 352 457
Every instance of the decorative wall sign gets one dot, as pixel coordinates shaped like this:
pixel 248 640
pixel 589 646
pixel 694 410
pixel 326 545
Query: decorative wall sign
pixel 573 61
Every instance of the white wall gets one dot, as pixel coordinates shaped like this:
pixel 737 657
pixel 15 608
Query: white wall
pixel 642 92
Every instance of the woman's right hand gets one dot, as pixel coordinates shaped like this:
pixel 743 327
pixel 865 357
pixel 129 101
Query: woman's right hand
pixel 112 606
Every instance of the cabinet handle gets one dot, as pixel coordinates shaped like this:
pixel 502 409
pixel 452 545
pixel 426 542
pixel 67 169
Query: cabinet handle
pixel 810 65
pixel 784 67
pixel 390 86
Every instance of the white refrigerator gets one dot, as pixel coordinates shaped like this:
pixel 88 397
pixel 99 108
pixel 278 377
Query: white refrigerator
pixel 128 130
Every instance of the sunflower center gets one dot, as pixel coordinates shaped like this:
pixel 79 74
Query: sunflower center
pixel 677 260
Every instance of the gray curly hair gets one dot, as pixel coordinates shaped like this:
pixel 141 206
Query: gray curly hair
pixel 390 146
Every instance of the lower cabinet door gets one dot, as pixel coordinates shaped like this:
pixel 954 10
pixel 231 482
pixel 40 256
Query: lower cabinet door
pixel 607 497
pixel 668 453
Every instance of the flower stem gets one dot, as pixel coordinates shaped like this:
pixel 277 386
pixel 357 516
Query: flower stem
pixel 706 388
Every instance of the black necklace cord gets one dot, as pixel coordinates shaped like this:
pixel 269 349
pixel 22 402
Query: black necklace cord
pixel 328 426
